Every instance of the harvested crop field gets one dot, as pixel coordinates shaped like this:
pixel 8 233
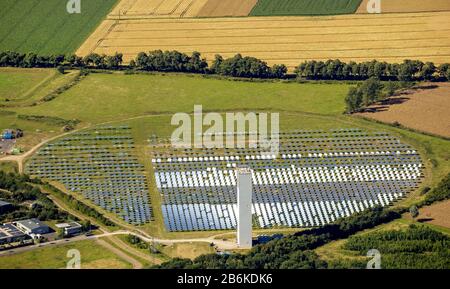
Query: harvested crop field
pixel 404 6
pixel 222 8
pixel 159 8
pixel 304 7
pixel 287 40
pixel 437 214
pixel 425 110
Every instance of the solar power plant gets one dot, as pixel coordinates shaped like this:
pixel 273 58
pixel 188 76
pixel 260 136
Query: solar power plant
pixel 100 164
pixel 317 177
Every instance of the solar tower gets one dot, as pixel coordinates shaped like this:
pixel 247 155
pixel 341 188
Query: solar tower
pixel 244 204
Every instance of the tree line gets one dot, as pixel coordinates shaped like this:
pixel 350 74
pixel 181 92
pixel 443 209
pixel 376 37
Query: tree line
pixel 290 252
pixel 80 206
pixel 33 60
pixel 371 91
pixel 408 70
pixel 236 66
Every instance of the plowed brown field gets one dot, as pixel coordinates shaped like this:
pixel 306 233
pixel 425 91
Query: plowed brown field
pixel 437 214
pixel 404 6
pixel 425 110
pixel 288 40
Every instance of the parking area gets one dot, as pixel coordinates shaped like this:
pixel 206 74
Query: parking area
pixel 6 146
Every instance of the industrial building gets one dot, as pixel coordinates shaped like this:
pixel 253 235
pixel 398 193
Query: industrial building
pixel 33 226
pixel 10 234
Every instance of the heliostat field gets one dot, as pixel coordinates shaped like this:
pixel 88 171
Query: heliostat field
pixel 318 177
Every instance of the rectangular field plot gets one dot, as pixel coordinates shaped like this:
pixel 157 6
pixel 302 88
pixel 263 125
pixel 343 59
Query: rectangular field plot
pixel 304 7
pixel 316 178
pixel 284 40
pixel 101 164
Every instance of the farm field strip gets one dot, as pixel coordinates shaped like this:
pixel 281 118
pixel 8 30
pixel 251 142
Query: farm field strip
pixel 313 28
pixel 287 40
pixel 304 7
pixel 404 6
pixel 221 8
pixel 158 8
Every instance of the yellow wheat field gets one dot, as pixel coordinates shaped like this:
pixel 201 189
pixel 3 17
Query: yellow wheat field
pixel 287 40
pixel 158 8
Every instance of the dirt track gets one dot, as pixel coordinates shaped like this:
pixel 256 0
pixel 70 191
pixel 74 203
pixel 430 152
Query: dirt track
pixel 425 110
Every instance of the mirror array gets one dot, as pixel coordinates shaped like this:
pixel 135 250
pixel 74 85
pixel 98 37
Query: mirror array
pixel 101 164
pixel 317 177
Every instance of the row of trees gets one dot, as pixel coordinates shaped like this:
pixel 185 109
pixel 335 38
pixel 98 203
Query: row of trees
pixel 409 70
pixel 371 91
pixel 21 191
pixel 170 61
pixel 237 66
pixel 30 60
pixel 295 251
pixel 80 206
pixel 248 67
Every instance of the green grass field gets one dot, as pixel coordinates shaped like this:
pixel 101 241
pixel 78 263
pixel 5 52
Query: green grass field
pixel 15 83
pixel 92 255
pixel 105 97
pixel 9 167
pixel 45 27
pixel 304 7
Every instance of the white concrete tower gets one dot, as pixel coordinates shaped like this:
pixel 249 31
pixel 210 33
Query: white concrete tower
pixel 244 207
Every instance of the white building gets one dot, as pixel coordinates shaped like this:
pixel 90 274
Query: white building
pixel 70 229
pixel 244 204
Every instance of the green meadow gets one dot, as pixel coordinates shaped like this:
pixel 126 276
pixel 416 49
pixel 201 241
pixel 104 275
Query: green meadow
pixel 104 97
pixel 15 83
